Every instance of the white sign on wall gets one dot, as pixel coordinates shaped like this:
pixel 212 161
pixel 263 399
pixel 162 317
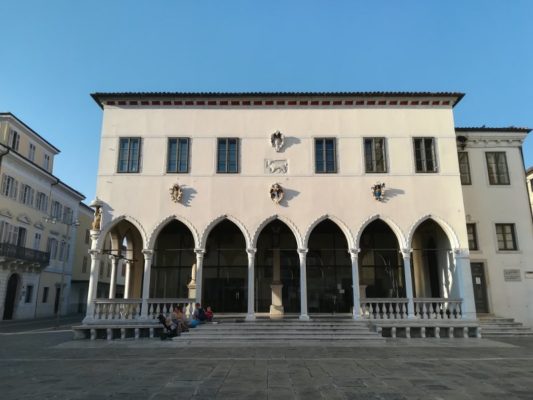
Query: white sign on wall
pixel 512 275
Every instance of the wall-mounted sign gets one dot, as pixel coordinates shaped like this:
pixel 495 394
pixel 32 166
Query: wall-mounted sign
pixel 529 274
pixel 512 275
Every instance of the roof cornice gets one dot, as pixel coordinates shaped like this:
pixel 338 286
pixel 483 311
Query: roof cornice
pixel 483 129
pixel 19 121
pixel 277 99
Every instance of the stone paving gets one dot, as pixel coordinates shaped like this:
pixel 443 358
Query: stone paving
pixel 40 362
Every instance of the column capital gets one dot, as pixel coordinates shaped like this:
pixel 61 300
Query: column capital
pixel 406 252
pixel 148 254
pixel 303 251
pixel 199 251
pixel 113 257
pixel 460 253
pixel 251 251
pixel 354 252
pixel 95 253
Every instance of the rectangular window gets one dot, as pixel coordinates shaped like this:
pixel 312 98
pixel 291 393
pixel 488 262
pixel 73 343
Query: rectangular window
pixel 472 236
pixel 41 202
pixel 57 210
pixel 506 237
pixel 9 187
pixel 228 156
pixel 84 265
pixel 375 159
pixel 37 241
pixel 67 215
pixel 129 154
pixel 425 155
pixel 464 168
pixel 45 294
pixel 26 195
pixel 8 233
pixel 14 140
pixel 178 155
pixel 497 168
pixel 29 294
pixel 325 155
pixel 46 163
pixel 52 248
pixel 31 153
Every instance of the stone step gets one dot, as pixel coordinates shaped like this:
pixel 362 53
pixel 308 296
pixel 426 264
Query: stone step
pixel 209 338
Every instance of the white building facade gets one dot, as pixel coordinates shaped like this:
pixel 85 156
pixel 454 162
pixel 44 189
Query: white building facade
pixel 299 203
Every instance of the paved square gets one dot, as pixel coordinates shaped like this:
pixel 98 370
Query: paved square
pixel 38 362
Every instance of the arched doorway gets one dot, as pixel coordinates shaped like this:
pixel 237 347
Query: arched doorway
pixel 431 261
pixel 277 271
pixel 225 269
pixel 11 295
pixel 380 263
pixel 173 261
pixel 329 276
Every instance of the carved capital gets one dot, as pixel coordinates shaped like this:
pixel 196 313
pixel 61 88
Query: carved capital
pixel 251 251
pixel 148 254
pixel 199 252
pixel 406 253
pixel 303 251
pixel 95 253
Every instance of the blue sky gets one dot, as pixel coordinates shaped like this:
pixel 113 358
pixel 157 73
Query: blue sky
pixel 55 53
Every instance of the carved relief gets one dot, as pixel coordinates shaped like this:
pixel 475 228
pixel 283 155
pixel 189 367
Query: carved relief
pixel 276 193
pixel 276 166
pixel 97 221
pixel 176 193
pixel 378 191
pixel 277 140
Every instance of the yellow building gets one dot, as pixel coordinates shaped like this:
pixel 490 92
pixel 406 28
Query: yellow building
pixel 38 225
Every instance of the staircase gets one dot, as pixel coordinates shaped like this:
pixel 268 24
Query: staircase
pixel 492 326
pixel 282 331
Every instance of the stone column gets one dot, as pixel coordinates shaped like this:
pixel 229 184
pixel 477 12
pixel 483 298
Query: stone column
pixel 302 253
pixel 250 315
pixel 354 256
pixel 406 254
pixel 93 283
pixel 127 280
pixel 199 272
pixel 276 308
pixel 463 277
pixel 148 254
pixel 113 277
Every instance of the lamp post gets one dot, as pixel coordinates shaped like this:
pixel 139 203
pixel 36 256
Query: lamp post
pixel 54 220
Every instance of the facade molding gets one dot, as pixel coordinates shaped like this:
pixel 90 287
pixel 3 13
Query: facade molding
pixel 107 228
pixel 448 230
pixel 207 230
pixel 164 222
pixel 287 221
pixel 343 227
pixel 400 236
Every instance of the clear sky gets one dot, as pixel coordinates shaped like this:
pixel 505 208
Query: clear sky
pixel 56 52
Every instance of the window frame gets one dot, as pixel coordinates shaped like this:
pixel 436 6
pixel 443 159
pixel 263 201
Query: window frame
pixel 473 225
pixel 237 156
pixel 129 169
pixel 513 236
pixel 46 291
pixel 324 155
pixel 178 159
pixel 424 160
pixel 14 140
pixel 468 172
pixel 497 172
pixel 28 296
pixel 373 147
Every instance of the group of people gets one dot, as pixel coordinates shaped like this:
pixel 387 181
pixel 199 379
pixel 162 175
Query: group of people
pixel 177 321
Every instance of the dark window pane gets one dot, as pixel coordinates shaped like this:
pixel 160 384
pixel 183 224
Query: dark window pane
pixel 232 155
pixel 368 156
pixel 497 168
pixel 221 165
pixel 330 155
pixel 172 155
pixel 319 155
pixel 183 155
pixel 464 168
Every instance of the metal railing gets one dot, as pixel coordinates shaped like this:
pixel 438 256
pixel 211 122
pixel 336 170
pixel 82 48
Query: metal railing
pixel 23 253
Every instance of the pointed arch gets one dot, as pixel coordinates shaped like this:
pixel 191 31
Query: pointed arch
pixel 450 233
pixel 283 219
pixel 342 226
pixel 216 221
pixel 113 223
pixel 159 227
pixel 391 224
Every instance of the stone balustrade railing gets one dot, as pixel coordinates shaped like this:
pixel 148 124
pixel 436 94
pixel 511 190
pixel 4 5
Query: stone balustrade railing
pixel 165 306
pixel 424 308
pixel 117 309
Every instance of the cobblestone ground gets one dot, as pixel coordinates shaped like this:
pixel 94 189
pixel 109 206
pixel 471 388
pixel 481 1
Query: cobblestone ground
pixel 38 362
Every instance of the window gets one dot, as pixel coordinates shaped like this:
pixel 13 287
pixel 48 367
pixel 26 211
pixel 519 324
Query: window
pixel 87 236
pixel 506 237
pixel 497 168
pixel 26 195
pixel 9 186
pixel 57 210
pixel 29 294
pixel 178 155
pixel 375 155
pixel 472 236
pixel 464 168
pixel 31 153
pixel 14 140
pixel 41 202
pixel 84 265
pixel 325 155
pixel 37 241
pixel 8 233
pixel 67 215
pixel 45 294
pixel 228 156
pixel 129 154
pixel 425 158
pixel 52 248
pixel 61 251
pixel 46 163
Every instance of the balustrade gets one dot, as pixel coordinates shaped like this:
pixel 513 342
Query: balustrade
pixel 424 308
pixel 165 306
pixel 130 309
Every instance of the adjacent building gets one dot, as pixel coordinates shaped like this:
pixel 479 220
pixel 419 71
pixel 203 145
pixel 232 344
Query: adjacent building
pixel 38 225
pixel 368 204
